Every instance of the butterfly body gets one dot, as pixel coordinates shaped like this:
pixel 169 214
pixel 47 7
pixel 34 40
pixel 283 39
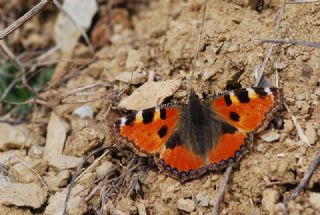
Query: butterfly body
pixel 187 140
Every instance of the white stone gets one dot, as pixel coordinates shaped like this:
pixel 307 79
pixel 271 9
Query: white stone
pixel 186 205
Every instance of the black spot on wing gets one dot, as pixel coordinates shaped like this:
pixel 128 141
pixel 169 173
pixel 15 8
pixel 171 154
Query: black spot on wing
pixel 130 119
pixel 227 128
pixel 260 91
pixel 147 115
pixel 242 95
pixel 173 141
pixel 227 99
pixel 234 116
pixel 162 131
pixel 163 113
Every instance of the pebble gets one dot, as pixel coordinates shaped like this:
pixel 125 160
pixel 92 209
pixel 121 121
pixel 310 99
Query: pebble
pixel 16 137
pixel 23 195
pixel 314 199
pixel 59 180
pixel 141 209
pixel 103 169
pixel 76 205
pixel 186 205
pixel 311 133
pixel 134 60
pixel 288 126
pixel 279 65
pixel 25 172
pixel 36 152
pixel 317 91
pixel 136 77
pixel 84 111
pixel 270 136
pixel 202 200
pixel 269 198
pixel 150 94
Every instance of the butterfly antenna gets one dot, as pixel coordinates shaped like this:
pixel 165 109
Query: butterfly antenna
pixel 196 55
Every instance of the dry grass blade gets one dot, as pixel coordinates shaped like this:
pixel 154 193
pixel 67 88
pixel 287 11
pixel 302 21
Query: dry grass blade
pixel 227 174
pixel 23 19
pixel 304 180
pixel 302 1
pixel 300 132
pixel 275 31
pixel 75 175
pixel 293 42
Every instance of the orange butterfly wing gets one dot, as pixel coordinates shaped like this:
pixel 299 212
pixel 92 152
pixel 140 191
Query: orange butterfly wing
pixel 248 109
pixel 147 131
pixel 245 111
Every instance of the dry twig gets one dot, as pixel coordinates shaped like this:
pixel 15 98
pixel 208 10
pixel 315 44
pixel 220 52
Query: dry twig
pixel 274 35
pixel 23 19
pixel 302 1
pixel 292 42
pixel 304 180
pixel 227 174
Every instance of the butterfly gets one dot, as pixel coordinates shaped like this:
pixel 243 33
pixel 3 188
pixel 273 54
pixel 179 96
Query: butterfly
pixel 188 140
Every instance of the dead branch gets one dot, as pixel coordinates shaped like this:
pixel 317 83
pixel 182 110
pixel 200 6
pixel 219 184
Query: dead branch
pixel 4 33
pixel 75 175
pixel 302 1
pixel 304 180
pixel 274 35
pixel 224 183
pixel 292 42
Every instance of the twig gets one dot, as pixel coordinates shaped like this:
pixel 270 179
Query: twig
pixel 92 165
pixel 35 172
pixel 302 1
pixel 197 48
pixel 75 175
pixel 274 35
pixel 300 133
pixel 304 180
pixel 23 19
pixel 227 174
pixel 293 42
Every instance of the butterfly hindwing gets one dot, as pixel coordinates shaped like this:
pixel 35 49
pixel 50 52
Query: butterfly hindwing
pixel 248 108
pixel 179 161
pixel 147 131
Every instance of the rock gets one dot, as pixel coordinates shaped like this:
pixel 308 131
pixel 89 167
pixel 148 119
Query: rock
pixel 311 133
pixel 24 171
pixel 288 126
pixel 84 111
pixel 317 91
pixel 23 195
pixel 103 169
pixel 150 94
pixel 314 199
pixel 59 180
pixel 141 209
pixel 279 65
pixel 202 200
pixel 186 205
pixel 134 60
pixel 17 137
pixel 269 198
pixel 136 77
pixel 66 32
pixel 56 136
pixel 36 152
pixel 270 136
pixel 13 155
pixel 76 205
